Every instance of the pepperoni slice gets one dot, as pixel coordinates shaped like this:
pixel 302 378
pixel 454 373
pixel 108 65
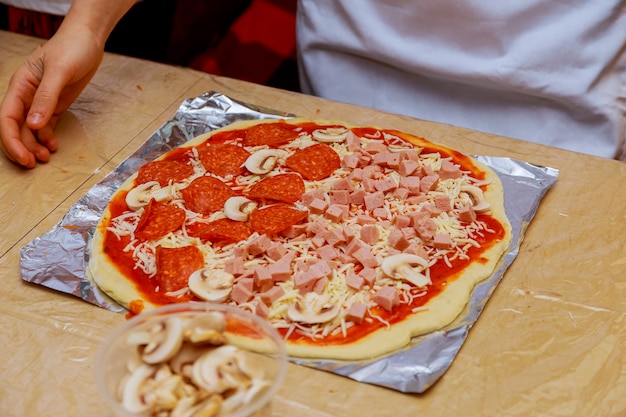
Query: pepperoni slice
pixel 174 265
pixel 271 134
pixel 163 172
pixel 314 162
pixel 224 230
pixel 158 219
pixel 274 219
pixel 206 195
pixel 223 159
pixel 282 187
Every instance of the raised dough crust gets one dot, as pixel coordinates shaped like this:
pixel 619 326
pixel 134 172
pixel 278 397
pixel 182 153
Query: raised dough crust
pixel 440 311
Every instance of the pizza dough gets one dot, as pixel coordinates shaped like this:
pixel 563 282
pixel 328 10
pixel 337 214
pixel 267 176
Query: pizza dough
pixel 349 240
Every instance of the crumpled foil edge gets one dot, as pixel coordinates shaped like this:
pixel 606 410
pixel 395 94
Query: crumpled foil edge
pixel 57 259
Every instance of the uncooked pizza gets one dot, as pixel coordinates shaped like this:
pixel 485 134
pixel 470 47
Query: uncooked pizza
pixel 349 240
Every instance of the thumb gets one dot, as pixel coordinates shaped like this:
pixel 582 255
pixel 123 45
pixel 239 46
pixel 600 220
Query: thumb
pixel 45 100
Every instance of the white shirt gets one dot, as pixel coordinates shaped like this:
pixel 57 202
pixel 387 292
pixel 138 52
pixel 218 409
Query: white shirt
pixel 56 7
pixel 545 71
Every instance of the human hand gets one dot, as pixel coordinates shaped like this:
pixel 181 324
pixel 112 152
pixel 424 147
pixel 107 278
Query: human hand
pixel 41 90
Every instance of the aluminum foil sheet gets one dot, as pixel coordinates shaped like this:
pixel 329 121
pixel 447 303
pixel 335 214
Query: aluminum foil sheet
pixel 57 259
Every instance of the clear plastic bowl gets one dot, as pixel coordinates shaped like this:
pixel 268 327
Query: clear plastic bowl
pixel 244 330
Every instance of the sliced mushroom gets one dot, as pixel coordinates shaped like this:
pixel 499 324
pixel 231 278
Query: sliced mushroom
pixel 479 204
pixel 312 309
pixel 206 329
pixel 211 284
pixel 263 161
pixel 141 195
pixel 183 361
pixel 161 342
pixel 330 134
pixel 191 407
pixel 133 398
pixel 238 208
pixel 407 267
pixel 209 370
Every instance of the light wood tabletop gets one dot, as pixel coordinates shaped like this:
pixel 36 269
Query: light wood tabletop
pixel 551 340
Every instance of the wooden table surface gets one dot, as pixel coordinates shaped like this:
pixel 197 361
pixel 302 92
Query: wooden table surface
pixel 551 341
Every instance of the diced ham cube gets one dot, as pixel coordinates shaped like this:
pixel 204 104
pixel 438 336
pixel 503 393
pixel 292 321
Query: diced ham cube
pixel 262 277
pixel 337 212
pixel 442 202
pixel 364 219
pixel 343 184
pixel 355 282
pixel 380 159
pixel 442 241
pixel 386 297
pixel 276 251
pixel 353 246
pixel 280 271
pixel 248 282
pixel 318 206
pixel 259 245
pixel 385 184
pixel 369 185
pixel 353 142
pixel 335 236
pixel 304 282
pixel 408 167
pixel 356 313
pixel 380 213
pixel 419 250
pixel 320 269
pixel 350 160
pixel 234 266
pixel 241 293
pixel 320 284
pixel 357 196
pixel 416 199
pixel 369 171
pixel 432 210
pixel 401 193
pixel 426 229
pixel 261 310
pixel 397 240
pixel 339 197
pixel 318 240
pixel 312 195
pixel 411 183
pixel 467 214
pixel 317 227
pixel 368 275
pixel 449 170
pixel 327 252
pixel 294 231
pixel 365 257
pixel 369 234
pixel 418 217
pixel 401 220
pixel 348 232
pixel 375 146
pixel 428 183
pixel 356 174
pixel 273 294
pixel 408 232
pixel 374 200
pixel 393 160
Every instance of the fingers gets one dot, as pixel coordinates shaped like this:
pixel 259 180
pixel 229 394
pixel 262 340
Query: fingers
pixel 46 99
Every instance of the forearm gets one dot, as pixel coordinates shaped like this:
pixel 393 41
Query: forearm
pixel 95 17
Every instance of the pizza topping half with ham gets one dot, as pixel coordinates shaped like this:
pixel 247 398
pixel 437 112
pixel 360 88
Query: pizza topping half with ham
pixel 326 231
